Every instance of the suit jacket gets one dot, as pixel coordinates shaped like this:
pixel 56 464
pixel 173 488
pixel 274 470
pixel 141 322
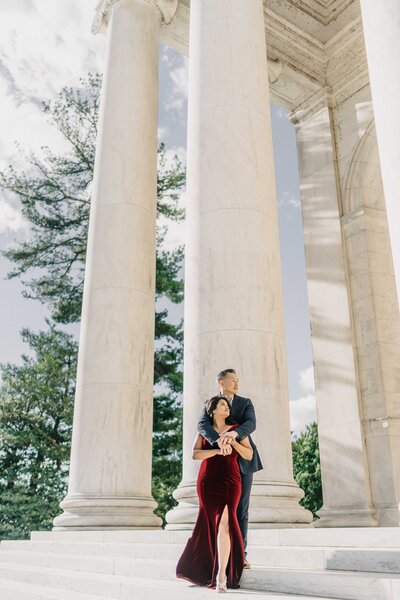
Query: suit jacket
pixel 242 412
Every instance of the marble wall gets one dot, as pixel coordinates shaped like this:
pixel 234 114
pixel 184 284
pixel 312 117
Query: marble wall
pixel 373 299
pixel 345 476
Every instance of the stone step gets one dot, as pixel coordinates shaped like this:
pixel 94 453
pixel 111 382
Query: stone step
pixel 124 550
pixel 139 536
pixel 337 584
pixel 128 567
pixel 107 564
pixel 101 557
pixel 137 566
pixel 73 574
pixel 259 555
pixel 376 560
pixel 13 590
pixel 362 537
pixel 68 585
pixel 345 537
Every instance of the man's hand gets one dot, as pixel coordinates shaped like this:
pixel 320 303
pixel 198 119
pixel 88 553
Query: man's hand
pixel 224 442
pixel 224 446
pixel 228 437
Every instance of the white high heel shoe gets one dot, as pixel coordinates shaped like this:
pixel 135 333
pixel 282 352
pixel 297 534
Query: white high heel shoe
pixel 221 586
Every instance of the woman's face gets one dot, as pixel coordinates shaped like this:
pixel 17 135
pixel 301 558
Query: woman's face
pixel 222 409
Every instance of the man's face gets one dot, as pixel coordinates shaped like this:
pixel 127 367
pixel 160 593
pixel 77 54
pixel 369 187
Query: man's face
pixel 230 383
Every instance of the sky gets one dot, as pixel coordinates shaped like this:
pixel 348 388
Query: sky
pixel 46 45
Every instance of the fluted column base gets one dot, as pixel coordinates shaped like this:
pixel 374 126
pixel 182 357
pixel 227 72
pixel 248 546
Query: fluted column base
pixel 100 512
pixel 346 517
pixel 273 505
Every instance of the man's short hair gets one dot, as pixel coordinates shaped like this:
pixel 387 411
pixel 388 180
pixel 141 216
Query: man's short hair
pixel 224 373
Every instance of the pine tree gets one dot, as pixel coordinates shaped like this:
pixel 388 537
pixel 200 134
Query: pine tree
pixel 307 468
pixel 55 195
pixel 36 402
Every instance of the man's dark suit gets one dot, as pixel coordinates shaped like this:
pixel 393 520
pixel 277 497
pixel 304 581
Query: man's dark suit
pixel 242 412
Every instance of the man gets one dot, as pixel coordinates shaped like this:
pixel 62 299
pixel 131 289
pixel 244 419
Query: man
pixel 242 412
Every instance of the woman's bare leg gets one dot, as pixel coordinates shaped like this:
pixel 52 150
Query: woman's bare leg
pixel 224 545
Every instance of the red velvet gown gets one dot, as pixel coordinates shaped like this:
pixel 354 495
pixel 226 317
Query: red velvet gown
pixel 218 485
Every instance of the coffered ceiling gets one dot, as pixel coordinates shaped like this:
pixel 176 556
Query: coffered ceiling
pixel 311 14
pixel 320 18
pixel 318 42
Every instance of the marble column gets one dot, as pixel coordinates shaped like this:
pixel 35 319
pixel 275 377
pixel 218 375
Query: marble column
pixel 233 295
pixel 110 473
pixel 344 466
pixel 381 26
pixel 376 320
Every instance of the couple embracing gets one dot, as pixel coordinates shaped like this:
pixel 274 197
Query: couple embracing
pixel 215 554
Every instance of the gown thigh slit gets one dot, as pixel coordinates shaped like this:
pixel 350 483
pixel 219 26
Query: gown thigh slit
pixel 218 486
pixel 217 532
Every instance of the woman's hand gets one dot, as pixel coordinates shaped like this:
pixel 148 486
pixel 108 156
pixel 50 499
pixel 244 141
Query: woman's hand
pixel 228 437
pixel 224 446
pixel 243 448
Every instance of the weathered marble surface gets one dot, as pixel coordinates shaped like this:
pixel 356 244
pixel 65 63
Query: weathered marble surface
pixel 381 26
pixel 345 476
pixel 376 321
pixel 110 474
pixel 233 297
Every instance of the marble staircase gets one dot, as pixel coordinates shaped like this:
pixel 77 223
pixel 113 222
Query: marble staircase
pixel 348 564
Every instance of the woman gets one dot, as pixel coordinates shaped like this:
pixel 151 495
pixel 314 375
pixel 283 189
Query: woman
pixel 214 555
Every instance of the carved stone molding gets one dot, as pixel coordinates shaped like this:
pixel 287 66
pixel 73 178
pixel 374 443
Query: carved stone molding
pixel 294 47
pixel 346 62
pixel 323 11
pixel 345 72
pixel 311 105
pixel 166 8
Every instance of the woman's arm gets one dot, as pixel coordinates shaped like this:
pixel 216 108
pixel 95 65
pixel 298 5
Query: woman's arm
pixel 198 453
pixel 205 428
pixel 243 448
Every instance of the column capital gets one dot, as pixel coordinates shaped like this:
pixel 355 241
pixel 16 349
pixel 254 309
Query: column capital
pixel 166 9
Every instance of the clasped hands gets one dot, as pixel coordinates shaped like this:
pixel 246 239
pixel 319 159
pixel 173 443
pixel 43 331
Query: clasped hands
pixel 225 442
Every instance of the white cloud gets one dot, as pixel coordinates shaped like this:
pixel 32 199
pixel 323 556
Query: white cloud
pixel 178 67
pixel 44 46
pixel 307 380
pixel 295 202
pixel 166 56
pixel 11 219
pixel 289 199
pixel 162 134
pixel 282 113
pixel 179 92
pixel 175 235
pixel 302 412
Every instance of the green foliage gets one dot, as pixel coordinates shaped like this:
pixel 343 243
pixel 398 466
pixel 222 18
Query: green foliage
pixel 55 195
pixel 307 468
pixel 36 401
pixel 167 451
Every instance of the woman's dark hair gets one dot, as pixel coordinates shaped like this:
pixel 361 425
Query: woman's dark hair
pixel 211 405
